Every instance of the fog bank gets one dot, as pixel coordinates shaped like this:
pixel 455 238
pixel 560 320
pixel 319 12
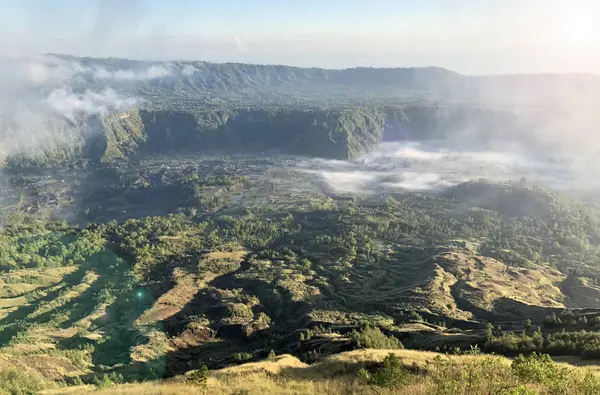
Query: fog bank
pixel 435 165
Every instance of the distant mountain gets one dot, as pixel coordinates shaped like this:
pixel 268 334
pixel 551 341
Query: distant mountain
pixel 65 108
pixel 198 79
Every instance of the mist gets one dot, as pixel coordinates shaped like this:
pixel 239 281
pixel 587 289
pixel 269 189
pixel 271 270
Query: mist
pixel 38 90
pixel 432 166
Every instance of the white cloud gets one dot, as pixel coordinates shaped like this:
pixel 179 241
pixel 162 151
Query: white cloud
pixel 69 104
pixel 49 69
pixel 102 74
pixel 37 89
pixel 145 74
pixel 188 70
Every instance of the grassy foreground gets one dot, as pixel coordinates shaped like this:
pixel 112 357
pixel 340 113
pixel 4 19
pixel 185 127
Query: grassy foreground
pixel 356 372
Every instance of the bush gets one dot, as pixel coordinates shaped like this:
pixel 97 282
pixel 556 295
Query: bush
pixel 198 377
pixel 541 369
pixel 587 383
pixel 104 382
pixel 239 310
pixel 484 375
pixel 17 382
pixel 390 374
pixel 372 337
pixel 519 390
pixel 243 356
pixel 535 368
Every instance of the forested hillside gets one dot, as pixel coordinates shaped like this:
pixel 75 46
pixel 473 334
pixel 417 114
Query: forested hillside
pixel 115 109
pixel 337 133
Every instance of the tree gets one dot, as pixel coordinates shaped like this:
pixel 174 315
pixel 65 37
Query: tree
pixel 372 337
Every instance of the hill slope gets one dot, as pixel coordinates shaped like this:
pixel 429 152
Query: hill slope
pixel 337 133
pixel 226 284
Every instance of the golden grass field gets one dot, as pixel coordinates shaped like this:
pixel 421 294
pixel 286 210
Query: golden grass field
pixel 285 375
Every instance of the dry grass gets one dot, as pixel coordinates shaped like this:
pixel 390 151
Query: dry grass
pixel 439 294
pixel 485 280
pixel 28 348
pixel 410 358
pixel 286 374
pixel 43 277
pixel 50 367
pixel 172 301
pixel 235 255
pixel 588 364
pixel 15 285
pixel 273 366
pixel 158 344
pixel 13 302
pixel 12 290
pixel 254 383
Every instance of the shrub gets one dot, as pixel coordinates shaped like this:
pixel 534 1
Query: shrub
pixel 587 383
pixel 416 316
pixel 240 310
pixel 372 337
pixel 519 390
pixel 484 375
pixel 243 356
pixel 198 377
pixel 104 382
pixel 116 378
pixel 390 374
pixel 17 382
pixel 535 368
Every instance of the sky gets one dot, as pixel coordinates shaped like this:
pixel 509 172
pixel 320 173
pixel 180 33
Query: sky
pixel 468 36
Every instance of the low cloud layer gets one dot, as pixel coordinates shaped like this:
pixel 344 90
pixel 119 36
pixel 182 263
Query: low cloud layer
pixel 145 74
pixel 69 104
pixel 433 166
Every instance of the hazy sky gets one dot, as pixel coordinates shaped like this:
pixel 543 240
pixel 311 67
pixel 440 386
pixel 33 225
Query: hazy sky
pixel 469 36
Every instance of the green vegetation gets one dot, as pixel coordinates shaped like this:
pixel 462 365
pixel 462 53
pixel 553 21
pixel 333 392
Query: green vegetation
pixel 340 131
pixel 373 338
pixel 198 377
pixel 16 382
pixel 32 243
pixel 220 261
pixel 230 283
pixel 390 374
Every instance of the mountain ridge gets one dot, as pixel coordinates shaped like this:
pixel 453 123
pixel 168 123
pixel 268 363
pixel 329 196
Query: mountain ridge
pixel 283 65
pixel 190 78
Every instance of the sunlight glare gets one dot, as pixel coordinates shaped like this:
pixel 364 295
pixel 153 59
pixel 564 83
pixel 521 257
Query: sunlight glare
pixel 579 31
